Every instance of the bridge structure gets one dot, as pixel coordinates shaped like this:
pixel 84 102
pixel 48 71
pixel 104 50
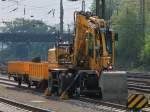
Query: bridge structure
pixel 28 39
pixel 33 37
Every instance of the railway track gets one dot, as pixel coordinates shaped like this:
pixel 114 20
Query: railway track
pixel 139 83
pixel 106 105
pixel 132 85
pixel 23 106
pixel 11 83
pixel 7 82
pixel 9 108
pixel 110 107
pixel 137 75
pixel 139 88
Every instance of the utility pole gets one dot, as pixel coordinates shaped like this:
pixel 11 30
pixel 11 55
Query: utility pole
pixel 142 18
pixel 83 5
pixel 61 18
pixel 97 7
pixel 102 7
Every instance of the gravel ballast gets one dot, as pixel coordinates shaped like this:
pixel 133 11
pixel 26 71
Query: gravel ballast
pixel 34 98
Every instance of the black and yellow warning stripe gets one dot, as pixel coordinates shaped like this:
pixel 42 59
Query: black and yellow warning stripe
pixel 137 101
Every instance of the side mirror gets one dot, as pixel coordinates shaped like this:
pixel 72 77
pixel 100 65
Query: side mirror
pixel 116 36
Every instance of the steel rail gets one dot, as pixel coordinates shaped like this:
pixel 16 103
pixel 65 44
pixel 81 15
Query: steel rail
pixel 23 106
pixel 108 104
pixel 99 102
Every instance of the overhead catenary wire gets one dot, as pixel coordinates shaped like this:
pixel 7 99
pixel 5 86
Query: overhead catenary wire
pixel 8 6
pixel 48 11
pixel 33 7
pixel 36 11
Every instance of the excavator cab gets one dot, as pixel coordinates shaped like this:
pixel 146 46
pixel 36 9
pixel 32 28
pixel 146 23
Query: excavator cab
pixel 63 53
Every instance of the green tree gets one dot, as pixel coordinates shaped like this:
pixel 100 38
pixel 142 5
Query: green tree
pixel 126 23
pixel 25 25
pixel 145 53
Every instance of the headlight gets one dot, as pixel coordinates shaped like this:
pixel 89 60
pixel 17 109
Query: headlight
pixel 70 74
pixel 110 67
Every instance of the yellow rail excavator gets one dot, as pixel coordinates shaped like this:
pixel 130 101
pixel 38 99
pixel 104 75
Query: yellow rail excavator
pixel 85 66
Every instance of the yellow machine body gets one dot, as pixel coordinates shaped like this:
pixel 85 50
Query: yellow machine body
pixel 91 54
pixel 90 43
pixel 89 49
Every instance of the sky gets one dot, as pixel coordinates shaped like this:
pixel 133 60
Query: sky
pixel 38 9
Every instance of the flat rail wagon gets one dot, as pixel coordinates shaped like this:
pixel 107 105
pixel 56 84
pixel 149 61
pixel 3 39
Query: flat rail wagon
pixel 31 73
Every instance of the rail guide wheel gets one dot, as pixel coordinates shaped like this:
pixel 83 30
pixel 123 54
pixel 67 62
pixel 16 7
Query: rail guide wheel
pixel 29 84
pixel 19 79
